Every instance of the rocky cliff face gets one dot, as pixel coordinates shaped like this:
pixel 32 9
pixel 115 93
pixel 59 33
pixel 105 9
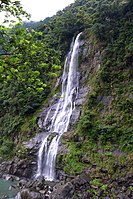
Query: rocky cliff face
pixel 89 64
pixel 25 167
pixel 88 175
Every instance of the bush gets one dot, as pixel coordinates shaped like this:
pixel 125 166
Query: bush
pixel 86 122
pixel 7 148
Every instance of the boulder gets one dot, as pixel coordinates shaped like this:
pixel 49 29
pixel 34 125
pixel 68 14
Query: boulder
pixel 75 116
pixel 63 192
pixel 26 194
pixel 66 190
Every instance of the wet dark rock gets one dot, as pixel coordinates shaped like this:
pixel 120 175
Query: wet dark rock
pixel 82 92
pixel 98 99
pixel 26 194
pixel 83 178
pixel 118 152
pixel 45 118
pixel 39 184
pixel 66 190
pixel 74 187
pixel 104 100
pixel 77 138
pixel 67 136
pixel 8 177
pixel 62 176
pixel 25 165
pixel 85 159
pixel 51 136
pixel 80 101
pixel 23 183
pixel 123 196
pixel 75 116
pixel 17 167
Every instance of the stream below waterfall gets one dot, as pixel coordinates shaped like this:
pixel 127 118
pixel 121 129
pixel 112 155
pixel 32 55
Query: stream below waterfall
pixel 6 189
pixel 60 120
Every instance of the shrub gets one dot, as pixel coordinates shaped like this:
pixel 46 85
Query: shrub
pixel 7 148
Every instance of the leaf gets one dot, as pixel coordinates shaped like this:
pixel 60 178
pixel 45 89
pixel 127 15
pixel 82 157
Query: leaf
pixel 53 74
pixel 40 89
pixel 56 67
pixel 1 69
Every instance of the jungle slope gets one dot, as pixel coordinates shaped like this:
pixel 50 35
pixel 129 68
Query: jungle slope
pixel 102 141
pixel 103 144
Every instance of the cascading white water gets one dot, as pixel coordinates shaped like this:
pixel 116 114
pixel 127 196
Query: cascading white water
pixel 61 118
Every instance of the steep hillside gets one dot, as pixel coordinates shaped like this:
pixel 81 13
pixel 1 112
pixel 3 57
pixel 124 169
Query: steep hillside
pixel 102 142
pixel 98 148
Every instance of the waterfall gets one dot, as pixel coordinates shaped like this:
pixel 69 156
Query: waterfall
pixel 61 118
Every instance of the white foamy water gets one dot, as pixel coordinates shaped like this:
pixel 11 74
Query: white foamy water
pixel 61 118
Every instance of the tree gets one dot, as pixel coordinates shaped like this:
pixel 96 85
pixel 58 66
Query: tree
pixel 27 67
pixel 12 8
pixel 26 59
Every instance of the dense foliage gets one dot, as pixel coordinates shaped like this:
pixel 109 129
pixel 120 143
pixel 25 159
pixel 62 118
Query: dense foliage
pixel 30 59
pixel 27 65
pixel 111 122
pixel 104 130
pixel 10 9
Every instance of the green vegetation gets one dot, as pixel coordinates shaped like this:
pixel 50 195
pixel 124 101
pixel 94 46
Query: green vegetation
pixel 30 62
pixel 105 127
pixel 28 66
pixel 6 148
pixel 103 164
pixel 108 112
pixel 12 8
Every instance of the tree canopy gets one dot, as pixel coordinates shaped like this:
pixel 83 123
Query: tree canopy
pixel 27 65
pixel 12 8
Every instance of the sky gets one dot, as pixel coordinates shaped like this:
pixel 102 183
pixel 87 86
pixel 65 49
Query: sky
pixel 40 9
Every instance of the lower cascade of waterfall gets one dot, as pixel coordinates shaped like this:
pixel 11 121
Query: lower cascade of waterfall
pixel 61 118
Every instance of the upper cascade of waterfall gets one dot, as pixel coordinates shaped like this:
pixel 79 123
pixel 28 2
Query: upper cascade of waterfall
pixel 70 81
pixel 61 118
